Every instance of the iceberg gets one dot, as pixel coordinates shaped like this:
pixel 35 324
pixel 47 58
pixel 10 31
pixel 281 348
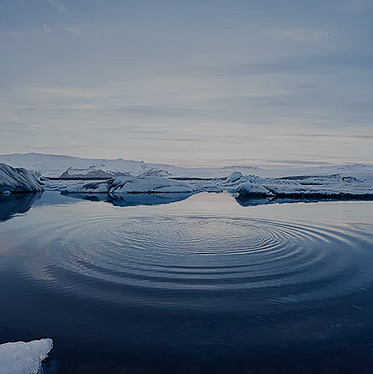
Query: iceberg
pixel 24 357
pixel 252 189
pixel 234 177
pixel 149 185
pixel 92 172
pixel 335 186
pixel 125 185
pixel 17 180
pixel 116 177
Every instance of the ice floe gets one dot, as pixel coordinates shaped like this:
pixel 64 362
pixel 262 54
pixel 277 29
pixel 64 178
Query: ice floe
pixel 24 357
pixel 252 189
pixel 125 184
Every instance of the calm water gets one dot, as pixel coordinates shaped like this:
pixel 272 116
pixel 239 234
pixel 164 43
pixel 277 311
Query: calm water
pixel 200 285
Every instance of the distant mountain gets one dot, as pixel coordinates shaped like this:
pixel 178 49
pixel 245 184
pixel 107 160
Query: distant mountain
pixel 69 166
pixel 56 165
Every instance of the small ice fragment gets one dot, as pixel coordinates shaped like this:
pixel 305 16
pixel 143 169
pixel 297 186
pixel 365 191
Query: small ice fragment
pixel 24 357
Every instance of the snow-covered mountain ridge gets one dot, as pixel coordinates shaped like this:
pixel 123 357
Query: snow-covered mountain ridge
pixel 56 165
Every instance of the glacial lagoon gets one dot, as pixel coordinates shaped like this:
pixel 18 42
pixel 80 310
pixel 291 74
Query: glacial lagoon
pixel 188 284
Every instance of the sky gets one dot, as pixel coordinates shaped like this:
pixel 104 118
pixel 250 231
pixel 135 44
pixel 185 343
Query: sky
pixel 192 83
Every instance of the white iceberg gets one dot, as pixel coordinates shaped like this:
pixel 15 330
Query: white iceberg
pixel 24 357
pixel 149 185
pixel 234 177
pixel 92 172
pixel 252 189
pixel 119 176
pixel 17 180
pixel 125 184
pixel 334 186
pixel 84 187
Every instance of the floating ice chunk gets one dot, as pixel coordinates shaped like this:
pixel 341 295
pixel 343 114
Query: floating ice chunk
pixel 91 172
pixel 149 185
pixel 91 187
pixel 234 177
pixel 126 184
pixel 17 180
pixel 24 357
pixel 252 189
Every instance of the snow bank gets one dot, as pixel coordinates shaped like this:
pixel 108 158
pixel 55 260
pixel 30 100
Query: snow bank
pixel 17 180
pixel 22 357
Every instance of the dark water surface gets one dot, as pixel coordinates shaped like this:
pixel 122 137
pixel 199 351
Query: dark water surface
pixel 202 285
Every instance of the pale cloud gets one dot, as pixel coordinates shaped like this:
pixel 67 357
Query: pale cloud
pixel 47 28
pixel 304 35
pixel 15 33
pixel 73 30
pixel 356 6
pixel 70 92
pixel 60 7
pixel 138 79
pixel 36 126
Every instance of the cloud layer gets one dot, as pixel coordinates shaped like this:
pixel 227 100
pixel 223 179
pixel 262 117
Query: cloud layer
pixel 200 82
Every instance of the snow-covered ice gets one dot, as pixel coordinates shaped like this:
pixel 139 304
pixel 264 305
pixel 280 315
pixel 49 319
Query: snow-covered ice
pixel 330 186
pixel 24 357
pixel 234 177
pixel 123 177
pixel 121 185
pixel 149 185
pixel 17 180
pixel 253 189
pixel 91 172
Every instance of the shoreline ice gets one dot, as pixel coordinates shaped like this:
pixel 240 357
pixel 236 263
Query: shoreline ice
pixel 24 357
pixel 120 177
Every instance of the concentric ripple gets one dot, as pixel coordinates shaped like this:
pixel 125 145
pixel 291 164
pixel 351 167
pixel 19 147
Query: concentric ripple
pixel 201 262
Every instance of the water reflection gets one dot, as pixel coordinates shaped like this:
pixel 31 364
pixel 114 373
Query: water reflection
pixel 21 203
pixel 16 204
pixel 133 199
pixel 252 201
